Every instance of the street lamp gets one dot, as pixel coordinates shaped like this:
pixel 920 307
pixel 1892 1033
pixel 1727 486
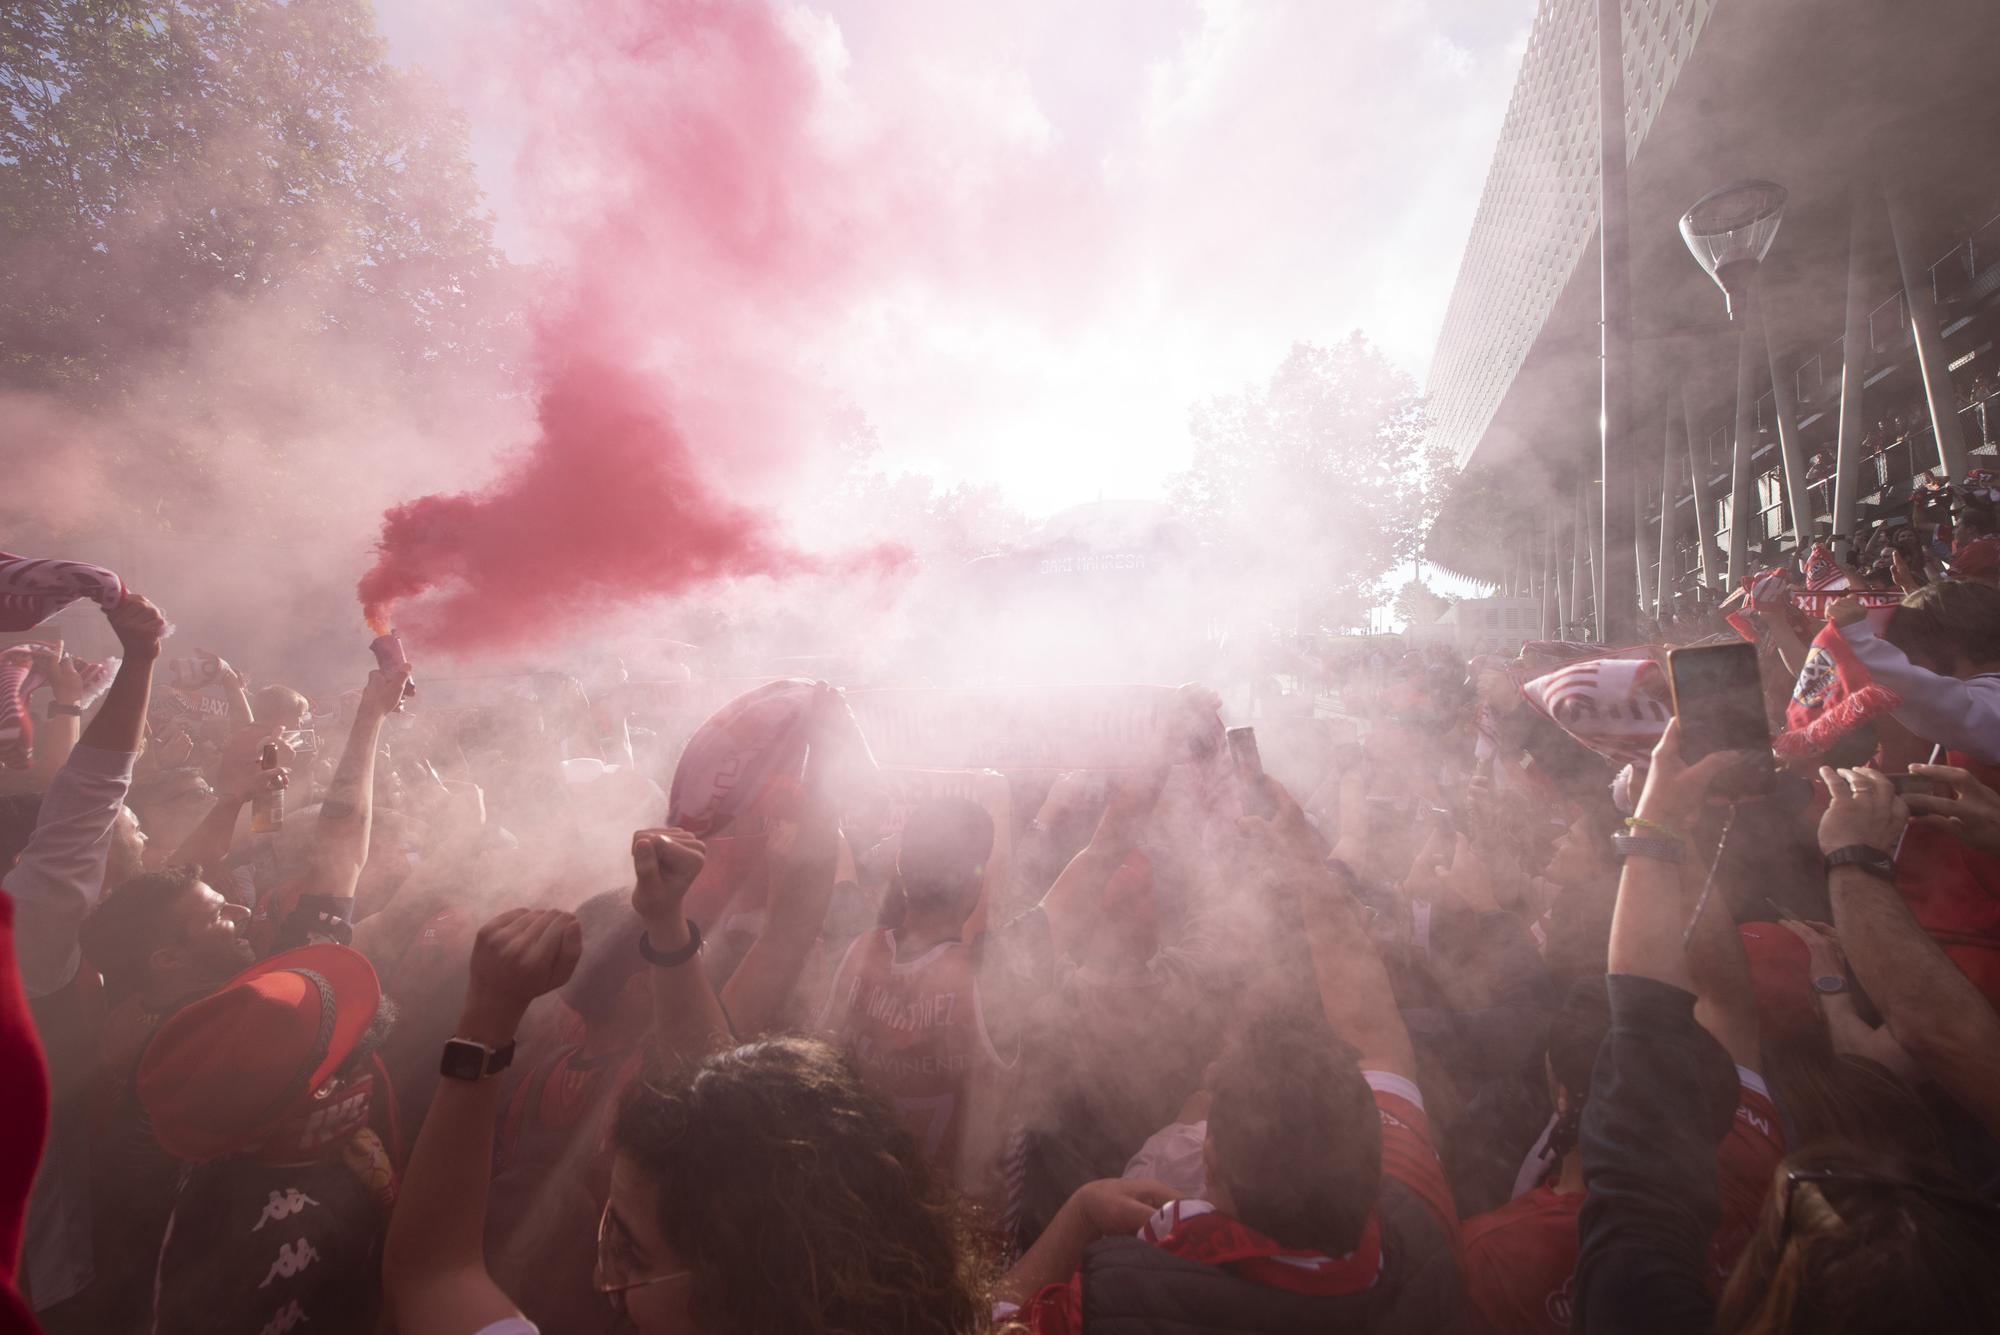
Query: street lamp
pixel 1729 232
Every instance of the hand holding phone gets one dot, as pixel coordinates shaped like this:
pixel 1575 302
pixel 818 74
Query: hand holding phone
pixel 1249 772
pixel 1718 695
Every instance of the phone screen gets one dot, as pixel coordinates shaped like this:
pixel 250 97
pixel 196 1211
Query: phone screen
pixel 1249 764
pixel 1719 699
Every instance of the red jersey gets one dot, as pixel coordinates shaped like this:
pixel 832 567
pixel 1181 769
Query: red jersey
pixel 1744 1166
pixel 1520 1261
pixel 916 1030
pixel 1520 1258
pixel 1197 1231
pixel 1953 891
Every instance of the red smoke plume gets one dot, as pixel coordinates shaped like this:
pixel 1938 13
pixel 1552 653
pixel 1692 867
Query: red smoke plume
pixel 605 508
pixel 698 217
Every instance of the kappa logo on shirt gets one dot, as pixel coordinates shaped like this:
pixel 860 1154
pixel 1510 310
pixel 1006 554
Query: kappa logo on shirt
pixel 282 1206
pixel 1559 1303
pixel 291 1314
pixel 292 1258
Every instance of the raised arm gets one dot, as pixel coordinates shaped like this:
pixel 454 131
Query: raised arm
pixel 1648 1156
pixel 1354 987
pixel 340 839
pixel 1071 903
pixel 239 778
pixel 1725 1001
pixel 60 874
pixel 1964 716
pixel 63 724
pixel 1935 1012
pixel 434 1275
pixel 688 1021
pixel 1655 901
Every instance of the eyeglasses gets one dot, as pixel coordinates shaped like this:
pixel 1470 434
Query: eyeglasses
pixel 614 1263
pixel 1941 1194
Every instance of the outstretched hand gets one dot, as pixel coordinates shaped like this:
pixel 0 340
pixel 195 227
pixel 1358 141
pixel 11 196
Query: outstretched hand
pixel 1865 810
pixel 519 954
pixel 665 863
pixel 1972 813
pixel 1676 790
pixel 1115 1206
pixel 1287 837
pixel 383 695
pixel 138 626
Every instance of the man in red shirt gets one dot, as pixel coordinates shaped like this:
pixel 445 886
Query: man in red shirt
pixel 1326 1204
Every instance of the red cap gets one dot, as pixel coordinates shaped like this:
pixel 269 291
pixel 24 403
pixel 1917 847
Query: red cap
pixel 1781 974
pixel 1978 559
pixel 222 1074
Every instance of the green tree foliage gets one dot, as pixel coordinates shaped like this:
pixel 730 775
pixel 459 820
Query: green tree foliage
pixel 1418 604
pixel 163 157
pixel 1312 486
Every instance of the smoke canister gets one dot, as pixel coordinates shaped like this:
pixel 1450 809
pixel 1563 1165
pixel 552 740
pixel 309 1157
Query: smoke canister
pixel 267 808
pixel 389 656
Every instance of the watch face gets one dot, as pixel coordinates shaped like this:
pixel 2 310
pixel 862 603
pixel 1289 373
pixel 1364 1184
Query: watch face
pixel 462 1060
pixel 1830 983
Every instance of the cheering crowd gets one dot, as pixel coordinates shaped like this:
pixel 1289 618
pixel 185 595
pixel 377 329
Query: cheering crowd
pixel 1501 1013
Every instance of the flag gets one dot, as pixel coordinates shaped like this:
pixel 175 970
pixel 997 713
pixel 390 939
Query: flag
pixel 20 674
pixel 32 591
pixel 1618 707
pixel 1763 594
pixel 1834 695
pixel 1822 571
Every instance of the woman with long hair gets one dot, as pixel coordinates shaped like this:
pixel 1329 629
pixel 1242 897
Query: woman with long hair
pixel 757 1188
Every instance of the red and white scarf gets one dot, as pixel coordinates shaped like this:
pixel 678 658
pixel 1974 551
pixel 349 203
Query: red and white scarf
pixel 1197 1231
pixel 21 675
pixel 32 591
pixel 1834 696
pixel 1618 707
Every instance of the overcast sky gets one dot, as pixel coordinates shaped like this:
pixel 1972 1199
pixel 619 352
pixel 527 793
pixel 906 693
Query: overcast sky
pixel 1257 172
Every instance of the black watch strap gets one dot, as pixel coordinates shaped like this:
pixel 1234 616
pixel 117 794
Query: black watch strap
pixel 466 1060
pixel 667 959
pixel 1862 857
pixel 58 710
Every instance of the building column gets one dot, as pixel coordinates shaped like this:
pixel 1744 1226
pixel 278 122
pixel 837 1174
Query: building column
pixel 1932 359
pixel 1854 357
pixel 1615 524
pixel 1704 502
pixel 1664 586
pixel 1642 545
pixel 1579 543
pixel 1742 489
pixel 1593 507
pixel 1550 598
pixel 1791 450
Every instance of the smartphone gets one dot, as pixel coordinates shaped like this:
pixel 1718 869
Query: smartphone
pixel 1719 699
pixel 1249 768
pixel 1908 785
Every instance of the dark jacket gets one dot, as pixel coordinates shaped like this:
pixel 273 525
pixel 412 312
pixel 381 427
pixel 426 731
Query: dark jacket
pixel 1131 1287
pixel 1649 1140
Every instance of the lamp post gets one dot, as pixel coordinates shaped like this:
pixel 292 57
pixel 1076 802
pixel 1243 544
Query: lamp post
pixel 1730 231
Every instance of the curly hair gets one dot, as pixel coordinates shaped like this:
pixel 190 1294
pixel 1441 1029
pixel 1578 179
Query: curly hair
pixel 798 1198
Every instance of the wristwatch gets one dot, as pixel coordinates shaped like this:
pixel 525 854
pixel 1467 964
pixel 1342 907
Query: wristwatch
pixel 1639 846
pixel 56 710
pixel 1863 858
pixel 467 1060
pixel 1829 984
pixel 667 959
